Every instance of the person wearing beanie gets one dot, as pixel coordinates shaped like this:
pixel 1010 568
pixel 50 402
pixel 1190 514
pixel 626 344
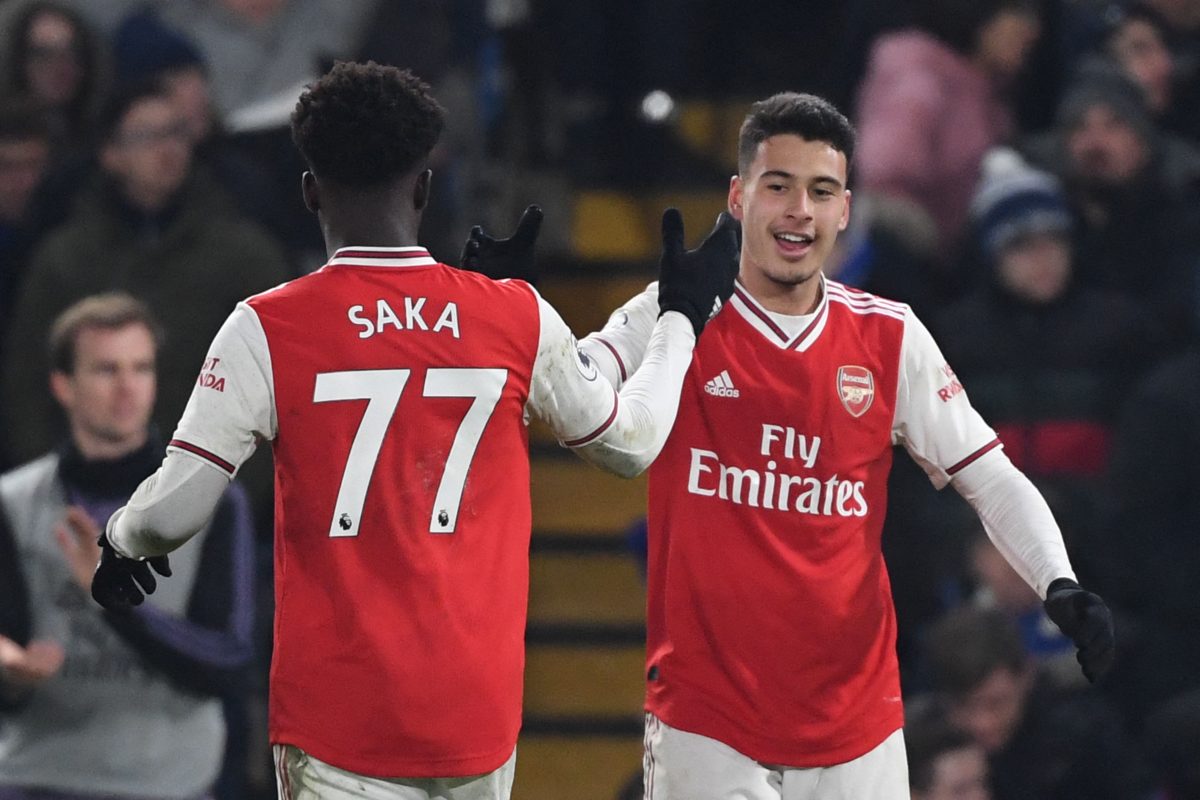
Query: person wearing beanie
pixel 1014 201
pixel 1099 83
pixel 1045 358
pixel 144 48
pixel 1133 190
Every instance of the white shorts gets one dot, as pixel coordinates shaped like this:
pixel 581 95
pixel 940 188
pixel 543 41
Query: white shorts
pixel 687 766
pixel 299 776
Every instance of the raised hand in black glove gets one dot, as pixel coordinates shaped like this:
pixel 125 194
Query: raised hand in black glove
pixel 1086 620
pixel 691 281
pixel 117 580
pixel 505 258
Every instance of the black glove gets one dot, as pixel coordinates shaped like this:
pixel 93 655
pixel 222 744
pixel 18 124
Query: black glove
pixel 1086 620
pixel 117 578
pixel 691 281
pixel 505 258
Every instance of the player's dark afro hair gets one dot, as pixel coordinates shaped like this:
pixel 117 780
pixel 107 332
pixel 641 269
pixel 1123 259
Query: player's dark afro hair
pixel 366 124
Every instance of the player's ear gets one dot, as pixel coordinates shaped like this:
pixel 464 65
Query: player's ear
pixel 734 203
pixel 311 192
pixel 421 189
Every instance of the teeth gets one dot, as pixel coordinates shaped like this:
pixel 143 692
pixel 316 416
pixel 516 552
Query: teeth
pixel 793 237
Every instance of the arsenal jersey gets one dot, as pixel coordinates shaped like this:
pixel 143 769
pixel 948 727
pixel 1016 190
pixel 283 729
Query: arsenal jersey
pixel 393 391
pixel 770 622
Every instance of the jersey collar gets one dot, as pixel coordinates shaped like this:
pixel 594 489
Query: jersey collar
pixel 381 257
pixel 754 313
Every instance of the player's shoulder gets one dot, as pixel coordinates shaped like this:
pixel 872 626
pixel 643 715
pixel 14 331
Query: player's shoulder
pixel 289 288
pixel 864 306
pixel 510 287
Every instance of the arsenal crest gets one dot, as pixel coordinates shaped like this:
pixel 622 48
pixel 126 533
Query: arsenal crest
pixel 856 388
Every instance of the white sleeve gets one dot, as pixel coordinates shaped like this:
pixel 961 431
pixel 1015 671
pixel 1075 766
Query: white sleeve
pixel 169 507
pixel 1016 518
pixel 618 347
pixel 621 432
pixel 934 419
pixel 945 435
pixel 231 408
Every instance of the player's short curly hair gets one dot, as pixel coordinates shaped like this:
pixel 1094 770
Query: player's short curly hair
pixel 366 124
pixel 804 115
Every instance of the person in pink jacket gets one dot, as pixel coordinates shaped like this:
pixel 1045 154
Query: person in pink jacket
pixel 931 104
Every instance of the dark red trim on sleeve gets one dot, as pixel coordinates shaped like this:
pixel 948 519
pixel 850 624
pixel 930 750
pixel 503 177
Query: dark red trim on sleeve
pixel 971 459
pixel 206 455
pixel 617 356
pixel 594 434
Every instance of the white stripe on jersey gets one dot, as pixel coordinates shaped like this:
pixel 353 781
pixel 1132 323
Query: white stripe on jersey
pixel 414 261
pixel 871 309
pixel 865 297
pixel 381 257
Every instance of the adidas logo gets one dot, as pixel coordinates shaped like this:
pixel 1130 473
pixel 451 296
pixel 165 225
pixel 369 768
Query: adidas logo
pixel 721 386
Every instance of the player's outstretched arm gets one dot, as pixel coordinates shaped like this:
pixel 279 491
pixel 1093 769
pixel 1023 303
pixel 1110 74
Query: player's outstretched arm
pixel 623 432
pixel 945 434
pixel 1021 525
pixel 619 347
pixel 505 258
pixel 219 430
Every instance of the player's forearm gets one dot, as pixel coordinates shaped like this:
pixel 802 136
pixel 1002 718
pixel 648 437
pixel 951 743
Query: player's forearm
pixel 619 347
pixel 1016 518
pixel 647 402
pixel 168 508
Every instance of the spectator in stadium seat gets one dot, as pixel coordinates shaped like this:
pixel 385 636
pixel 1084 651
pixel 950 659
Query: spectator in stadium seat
pixel 24 159
pixel 1141 42
pixel 931 103
pixel 94 704
pixel 1041 740
pixel 148 224
pixel 944 762
pixel 1046 358
pixel 53 58
pixel 1122 174
pixel 145 49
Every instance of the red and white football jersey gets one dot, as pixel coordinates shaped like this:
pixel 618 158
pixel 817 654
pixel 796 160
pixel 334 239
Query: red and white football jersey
pixel 393 390
pixel 770 623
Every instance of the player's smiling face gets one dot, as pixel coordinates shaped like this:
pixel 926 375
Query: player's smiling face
pixel 792 201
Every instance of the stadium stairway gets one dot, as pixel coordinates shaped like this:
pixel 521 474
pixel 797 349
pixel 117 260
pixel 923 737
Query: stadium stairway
pixel 582 734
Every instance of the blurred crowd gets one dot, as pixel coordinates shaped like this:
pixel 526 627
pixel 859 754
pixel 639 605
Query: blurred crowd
pixel 1027 178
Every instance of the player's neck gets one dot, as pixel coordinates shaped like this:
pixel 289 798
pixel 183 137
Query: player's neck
pixel 793 299
pixel 369 232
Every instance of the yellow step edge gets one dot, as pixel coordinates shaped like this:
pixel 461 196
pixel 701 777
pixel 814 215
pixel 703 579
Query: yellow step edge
pixel 584 680
pixel 601 588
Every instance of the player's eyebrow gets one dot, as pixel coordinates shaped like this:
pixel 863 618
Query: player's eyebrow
pixel 828 179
